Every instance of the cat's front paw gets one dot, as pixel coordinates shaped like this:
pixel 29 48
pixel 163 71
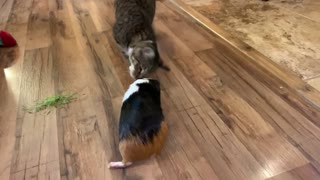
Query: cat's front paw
pixel 134 71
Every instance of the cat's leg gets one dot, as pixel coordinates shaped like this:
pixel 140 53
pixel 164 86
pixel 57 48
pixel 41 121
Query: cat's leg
pixel 125 55
pixel 123 51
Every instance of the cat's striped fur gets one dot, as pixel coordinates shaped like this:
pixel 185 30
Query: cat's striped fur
pixel 135 36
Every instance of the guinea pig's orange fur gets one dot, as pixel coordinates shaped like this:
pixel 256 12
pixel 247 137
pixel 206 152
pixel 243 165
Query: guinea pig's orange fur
pixel 132 149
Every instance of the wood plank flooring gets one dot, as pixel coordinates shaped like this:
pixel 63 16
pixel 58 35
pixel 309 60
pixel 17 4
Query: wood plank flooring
pixel 232 113
pixel 286 31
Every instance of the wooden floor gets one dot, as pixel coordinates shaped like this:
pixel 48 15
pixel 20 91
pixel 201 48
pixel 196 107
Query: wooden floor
pixel 232 113
pixel 286 31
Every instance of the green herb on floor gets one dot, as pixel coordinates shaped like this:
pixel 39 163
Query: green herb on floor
pixel 50 102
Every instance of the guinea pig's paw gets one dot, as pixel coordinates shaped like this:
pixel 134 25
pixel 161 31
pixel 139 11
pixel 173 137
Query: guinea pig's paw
pixel 119 164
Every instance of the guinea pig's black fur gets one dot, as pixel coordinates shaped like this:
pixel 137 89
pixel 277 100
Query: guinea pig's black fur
pixel 141 113
pixel 142 129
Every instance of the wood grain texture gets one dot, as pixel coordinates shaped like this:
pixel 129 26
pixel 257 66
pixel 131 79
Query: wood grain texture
pixel 231 113
pixel 293 43
pixel 306 172
pixel 5 9
pixel 10 91
pixel 38 26
pixel 35 151
pixel 256 57
pixel 20 11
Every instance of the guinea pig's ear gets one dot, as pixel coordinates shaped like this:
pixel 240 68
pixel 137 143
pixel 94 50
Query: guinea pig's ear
pixel 148 53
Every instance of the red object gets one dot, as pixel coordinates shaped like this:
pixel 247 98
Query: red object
pixel 7 39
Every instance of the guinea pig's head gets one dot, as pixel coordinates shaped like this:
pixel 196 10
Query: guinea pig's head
pixel 155 84
pixel 144 59
pixel 146 86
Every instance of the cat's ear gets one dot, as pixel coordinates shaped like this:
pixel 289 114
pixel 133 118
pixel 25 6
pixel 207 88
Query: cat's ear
pixel 163 66
pixel 148 53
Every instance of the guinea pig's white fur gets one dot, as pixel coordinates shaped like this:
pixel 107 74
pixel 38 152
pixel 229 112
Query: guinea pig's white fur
pixel 133 88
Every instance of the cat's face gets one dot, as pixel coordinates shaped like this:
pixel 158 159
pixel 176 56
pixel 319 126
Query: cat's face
pixel 143 59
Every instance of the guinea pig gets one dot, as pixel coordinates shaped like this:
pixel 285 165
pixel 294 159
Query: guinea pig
pixel 142 129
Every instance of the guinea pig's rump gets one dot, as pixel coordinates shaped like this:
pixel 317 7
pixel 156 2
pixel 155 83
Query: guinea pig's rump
pixel 134 148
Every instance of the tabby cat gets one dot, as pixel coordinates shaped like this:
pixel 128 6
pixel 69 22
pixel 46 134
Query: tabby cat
pixel 134 35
